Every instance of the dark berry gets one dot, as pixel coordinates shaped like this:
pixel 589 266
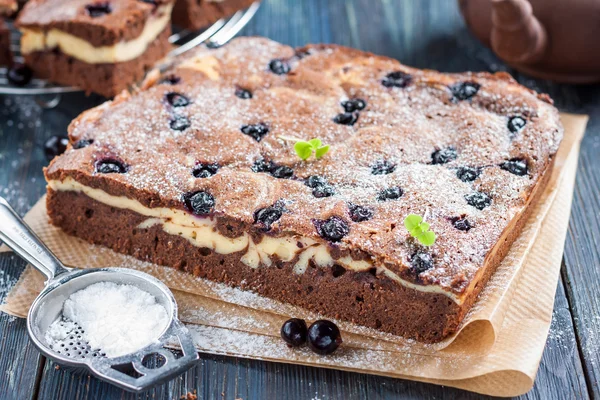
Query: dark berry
pixel 346 118
pixel 110 166
pixel 359 213
pixel 324 337
pixel 19 75
pixel 255 131
pixel 314 181
pixel 333 229
pixel 179 123
pixel 382 167
pixel 281 171
pixel 515 166
pixel 323 191
pixel 443 156
pixel 98 9
pixel 200 202
pixel 354 105
pixel 267 216
pixel 81 143
pixel 464 90
pixel 177 99
pixel 478 200
pixel 397 79
pixel 391 193
pixel 261 165
pixel 421 262
pixel 204 170
pixel 243 93
pixel 277 171
pixel 55 146
pixel 294 332
pixel 171 80
pixel 515 124
pixel 279 67
pixel 468 174
pixel 462 224
pixel 321 188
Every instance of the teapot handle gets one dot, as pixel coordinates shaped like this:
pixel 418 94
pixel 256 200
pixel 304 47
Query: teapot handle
pixel 517 35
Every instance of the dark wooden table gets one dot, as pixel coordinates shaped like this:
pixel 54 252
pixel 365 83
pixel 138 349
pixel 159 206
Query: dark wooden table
pixel 421 33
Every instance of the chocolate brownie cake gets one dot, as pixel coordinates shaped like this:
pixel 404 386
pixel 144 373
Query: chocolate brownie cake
pixel 5 53
pixel 100 46
pixel 197 171
pixel 196 14
pixel 8 7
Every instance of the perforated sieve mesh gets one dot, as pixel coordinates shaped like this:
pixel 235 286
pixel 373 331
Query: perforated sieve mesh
pixel 73 344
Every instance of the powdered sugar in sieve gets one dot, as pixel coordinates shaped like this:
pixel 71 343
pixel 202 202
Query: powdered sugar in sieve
pixel 107 319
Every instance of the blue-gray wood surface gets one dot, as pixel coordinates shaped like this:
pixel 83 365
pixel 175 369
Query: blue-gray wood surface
pixel 421 33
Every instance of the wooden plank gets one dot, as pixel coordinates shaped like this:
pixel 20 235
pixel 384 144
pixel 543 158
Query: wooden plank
pixel 561 372
pixel 421 34
pixel 19 360
pixel 20 183
pixel 582 256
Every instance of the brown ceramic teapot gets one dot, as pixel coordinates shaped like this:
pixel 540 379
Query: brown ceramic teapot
pixel 550 39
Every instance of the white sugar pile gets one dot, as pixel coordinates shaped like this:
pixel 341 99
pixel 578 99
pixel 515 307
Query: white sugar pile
pixel 116 319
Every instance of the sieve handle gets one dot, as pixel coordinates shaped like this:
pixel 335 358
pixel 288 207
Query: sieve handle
pixel 15 233
pixel 112 370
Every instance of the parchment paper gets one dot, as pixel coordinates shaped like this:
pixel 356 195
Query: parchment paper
pixel 496 352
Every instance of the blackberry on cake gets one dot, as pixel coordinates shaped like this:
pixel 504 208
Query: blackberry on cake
pixel 225 197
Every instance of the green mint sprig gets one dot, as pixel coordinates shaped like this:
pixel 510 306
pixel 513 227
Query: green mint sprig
pixel 419 229
pixel 305 149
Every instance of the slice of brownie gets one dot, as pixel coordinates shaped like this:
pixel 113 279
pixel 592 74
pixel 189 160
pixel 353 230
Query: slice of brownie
pixel 8 7
pixel 100 46
pixel 5 53
pixel 196 14
pixel 198 171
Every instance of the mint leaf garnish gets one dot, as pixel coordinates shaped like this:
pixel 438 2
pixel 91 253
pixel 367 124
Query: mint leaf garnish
pixel 419 230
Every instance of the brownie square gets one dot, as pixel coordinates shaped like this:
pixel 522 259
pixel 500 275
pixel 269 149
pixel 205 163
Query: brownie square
pixel 8 7
pixel 199 171
pixel 102 47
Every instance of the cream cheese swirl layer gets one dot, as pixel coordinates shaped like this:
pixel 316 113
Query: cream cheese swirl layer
pixel 76 47
pixel 202 232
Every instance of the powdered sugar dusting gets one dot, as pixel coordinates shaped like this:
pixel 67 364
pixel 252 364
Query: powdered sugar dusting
pixel 231 342
pixel 402 125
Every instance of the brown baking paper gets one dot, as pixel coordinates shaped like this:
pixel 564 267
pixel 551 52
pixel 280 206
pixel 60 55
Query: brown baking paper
pixel 496 352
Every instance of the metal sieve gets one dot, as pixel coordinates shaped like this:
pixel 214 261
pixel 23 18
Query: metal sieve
pixel 136 371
